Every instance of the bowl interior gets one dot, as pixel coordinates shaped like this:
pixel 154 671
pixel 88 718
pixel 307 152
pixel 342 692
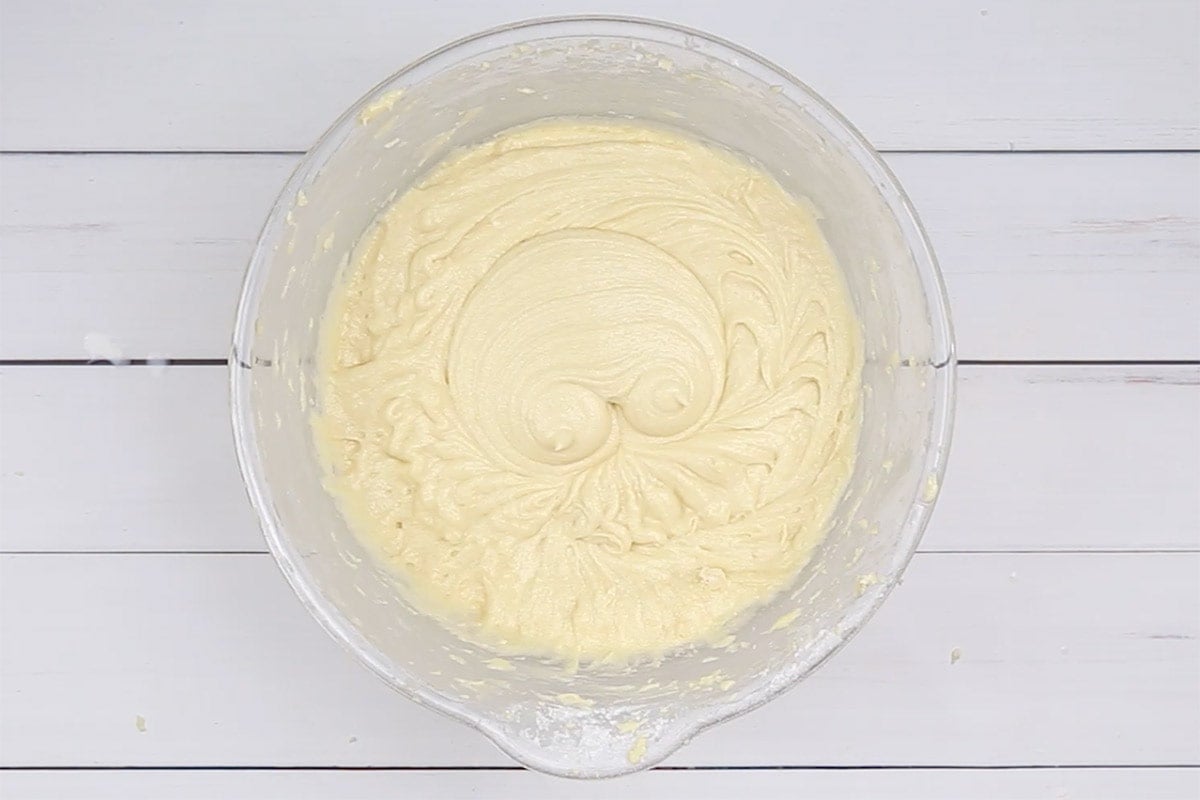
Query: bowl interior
pixel 595 721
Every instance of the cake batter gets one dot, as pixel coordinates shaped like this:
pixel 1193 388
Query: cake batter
pixel 591 388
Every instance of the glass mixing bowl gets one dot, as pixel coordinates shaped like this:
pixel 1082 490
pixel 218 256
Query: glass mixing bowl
pixel 595 722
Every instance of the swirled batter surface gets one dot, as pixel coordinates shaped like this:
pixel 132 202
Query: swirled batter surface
pixel 591 388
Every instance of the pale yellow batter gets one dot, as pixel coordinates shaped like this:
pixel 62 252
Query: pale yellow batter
pixel 591 388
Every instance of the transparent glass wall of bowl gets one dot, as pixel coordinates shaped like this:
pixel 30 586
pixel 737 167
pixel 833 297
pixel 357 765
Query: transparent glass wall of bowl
pixel 595 721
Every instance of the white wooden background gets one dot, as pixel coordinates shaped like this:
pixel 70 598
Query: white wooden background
pixel 148 645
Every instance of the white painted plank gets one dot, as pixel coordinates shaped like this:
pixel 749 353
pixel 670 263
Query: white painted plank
pixel 1059 256
pixel 1048 458
pixel 1084 659
pixel 1044 458
pixel 112 459
pixel 149 251
pixel 937 74
pixel 886 784
pixel 1065 256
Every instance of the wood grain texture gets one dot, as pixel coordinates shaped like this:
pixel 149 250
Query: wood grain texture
pixel 940 74
pixel 1081 256
pixel 886 784
pixel 1044 458
pixel 1086 659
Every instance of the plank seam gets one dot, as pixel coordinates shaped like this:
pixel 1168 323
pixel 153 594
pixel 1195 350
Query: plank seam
pixel 668 768
pixel 265 552
pixel 964 362
pixel 885 152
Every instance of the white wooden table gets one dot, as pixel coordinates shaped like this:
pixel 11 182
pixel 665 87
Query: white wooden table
pixel 150 648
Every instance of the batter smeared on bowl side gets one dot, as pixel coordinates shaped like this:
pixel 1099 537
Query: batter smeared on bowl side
pixel 591 388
